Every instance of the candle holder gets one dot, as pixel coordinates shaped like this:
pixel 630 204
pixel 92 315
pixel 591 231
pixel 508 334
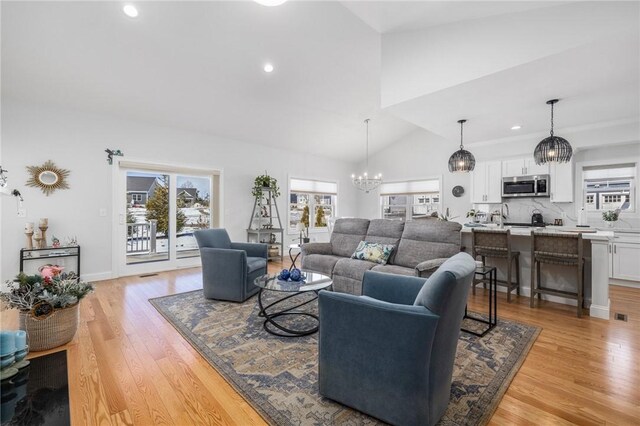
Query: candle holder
pixel 38 239
pixel 29 240
pixel 43 242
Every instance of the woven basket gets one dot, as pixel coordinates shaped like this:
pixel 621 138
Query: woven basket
pixel 51 331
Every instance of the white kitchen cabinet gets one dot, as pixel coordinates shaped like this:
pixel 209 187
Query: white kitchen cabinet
pixel 486 182
pixel 513 167
pixel 524 166
pixel 625 264
pixel 479 183
pixel 494 182
pixel 561 176
pixel 533 169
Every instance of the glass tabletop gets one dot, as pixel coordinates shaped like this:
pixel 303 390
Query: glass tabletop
pixel 313 281
pixel 484 269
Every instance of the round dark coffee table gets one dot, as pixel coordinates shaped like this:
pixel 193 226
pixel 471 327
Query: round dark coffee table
pixel 314 282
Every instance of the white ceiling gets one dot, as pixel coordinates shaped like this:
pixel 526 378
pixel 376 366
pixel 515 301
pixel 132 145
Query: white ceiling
pixel 397 16
pixel 198 66
pixel 596 83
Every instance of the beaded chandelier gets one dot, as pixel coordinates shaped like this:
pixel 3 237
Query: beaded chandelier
pixel 553 149
pixel 363 182
pixel 461 160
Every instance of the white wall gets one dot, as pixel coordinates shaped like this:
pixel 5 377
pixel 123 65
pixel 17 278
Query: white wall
pixel 77 140
pixel 423 154
pixel 417 156
pixel 416 63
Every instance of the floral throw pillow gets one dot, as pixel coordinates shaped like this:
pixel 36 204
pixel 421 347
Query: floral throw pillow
pixel 373 252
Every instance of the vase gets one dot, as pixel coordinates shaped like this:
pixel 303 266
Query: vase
pixel 305 240
pixel 609 223
pixel 50 331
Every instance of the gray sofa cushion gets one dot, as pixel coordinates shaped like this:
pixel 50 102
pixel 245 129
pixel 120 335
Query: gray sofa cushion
pixel 346 235
pixel 352 268
pixel 385 231
pixel 395 269
pixel 427 239
pixel 322 263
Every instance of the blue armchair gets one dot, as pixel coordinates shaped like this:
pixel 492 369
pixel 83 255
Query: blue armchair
pixel 390 352
pixel 229 269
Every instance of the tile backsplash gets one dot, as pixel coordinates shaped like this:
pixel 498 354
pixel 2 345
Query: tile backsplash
pixel 521 209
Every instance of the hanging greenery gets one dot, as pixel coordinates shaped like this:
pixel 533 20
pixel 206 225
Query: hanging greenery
pixel 305 217
pixel 320 219
pixel 265 181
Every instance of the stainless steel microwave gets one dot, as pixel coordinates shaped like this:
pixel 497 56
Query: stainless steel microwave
pixel 526 186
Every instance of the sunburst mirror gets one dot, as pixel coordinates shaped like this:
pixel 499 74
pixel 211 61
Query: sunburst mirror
pixel 48 177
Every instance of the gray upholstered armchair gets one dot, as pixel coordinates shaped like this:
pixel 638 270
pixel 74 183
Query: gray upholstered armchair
pixel 229 269
pixel 390 352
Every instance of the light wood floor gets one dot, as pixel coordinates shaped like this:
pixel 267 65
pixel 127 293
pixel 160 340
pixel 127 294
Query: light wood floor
pixel 127 365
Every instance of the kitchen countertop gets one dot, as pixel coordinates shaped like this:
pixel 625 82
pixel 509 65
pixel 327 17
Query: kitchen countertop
pixel 621 230
pixel 522 231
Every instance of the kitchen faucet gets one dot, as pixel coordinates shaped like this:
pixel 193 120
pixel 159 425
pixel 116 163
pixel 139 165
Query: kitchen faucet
pixel 502 206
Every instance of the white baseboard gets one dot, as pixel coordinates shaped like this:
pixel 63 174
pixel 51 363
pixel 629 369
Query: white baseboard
pixel 526 291
pixel 97 276
pixel 624 283
pixel 598 311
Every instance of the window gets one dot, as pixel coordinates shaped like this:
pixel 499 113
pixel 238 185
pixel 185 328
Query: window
pixel 409 200
pixel 609 187
pixel 136 198
pixel 317 199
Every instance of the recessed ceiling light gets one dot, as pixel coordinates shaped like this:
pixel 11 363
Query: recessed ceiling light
pixel 516 127
pixel 268 68
pixel 130 10
pixel 270 3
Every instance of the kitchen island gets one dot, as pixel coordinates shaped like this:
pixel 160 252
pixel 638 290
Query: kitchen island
pixel 596 280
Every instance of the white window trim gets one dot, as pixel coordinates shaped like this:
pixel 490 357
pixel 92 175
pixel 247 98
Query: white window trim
pixel 632 212
pixel 409 206
pixel 312 230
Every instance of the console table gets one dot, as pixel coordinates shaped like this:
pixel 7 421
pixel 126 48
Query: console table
pixel 28 255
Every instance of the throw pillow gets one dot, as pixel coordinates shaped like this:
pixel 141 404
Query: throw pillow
pixel 373 252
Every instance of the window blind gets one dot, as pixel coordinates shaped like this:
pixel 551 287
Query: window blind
pixel 410 187
pixel 313 186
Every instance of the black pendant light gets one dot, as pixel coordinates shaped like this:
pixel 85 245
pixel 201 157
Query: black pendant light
pixel 461 160
pixel 553 149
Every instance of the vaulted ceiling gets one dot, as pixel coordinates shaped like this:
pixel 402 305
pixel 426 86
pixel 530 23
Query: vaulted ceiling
pixel 405 65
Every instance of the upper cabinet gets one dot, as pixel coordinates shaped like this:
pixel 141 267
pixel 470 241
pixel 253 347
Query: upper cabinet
pixel 561 176
pixel 523 167
pixel 486 182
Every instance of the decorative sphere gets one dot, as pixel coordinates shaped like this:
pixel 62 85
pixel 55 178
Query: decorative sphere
pixel 284 275
pixel 295 275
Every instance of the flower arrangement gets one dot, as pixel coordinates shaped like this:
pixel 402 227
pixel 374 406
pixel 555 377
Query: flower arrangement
pixel 611 215
pixel 43 293
pixel 265 181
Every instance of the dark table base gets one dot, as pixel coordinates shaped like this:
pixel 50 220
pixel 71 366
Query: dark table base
pixel 280 330
pixel 493 304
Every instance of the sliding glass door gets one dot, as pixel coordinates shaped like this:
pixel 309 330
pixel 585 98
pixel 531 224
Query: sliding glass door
pixel 158 210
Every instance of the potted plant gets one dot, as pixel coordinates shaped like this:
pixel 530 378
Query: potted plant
pixel 263 182
pixel 610 217
pixel 305 223
pixel 472 214
pixel 47 304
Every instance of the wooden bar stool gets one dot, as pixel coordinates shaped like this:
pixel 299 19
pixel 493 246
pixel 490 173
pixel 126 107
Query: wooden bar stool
pixel 557 249
pixel 496 243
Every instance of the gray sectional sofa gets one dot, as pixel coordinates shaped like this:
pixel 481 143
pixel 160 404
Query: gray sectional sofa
pixel 420 247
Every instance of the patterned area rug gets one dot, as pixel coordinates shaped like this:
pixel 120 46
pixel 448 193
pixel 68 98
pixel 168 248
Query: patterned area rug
pixel 279 376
